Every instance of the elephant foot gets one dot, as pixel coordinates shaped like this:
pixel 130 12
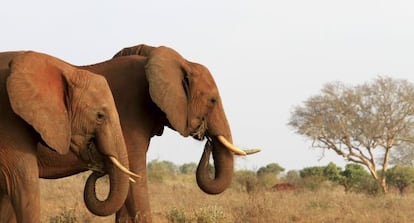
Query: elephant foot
pixel 122 216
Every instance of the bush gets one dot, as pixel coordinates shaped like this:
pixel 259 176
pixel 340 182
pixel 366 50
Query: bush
pixel 188 168
pixel 314 171
pixel 400 177
pixel 272 168
pixel 159 171
pixel 245 180
pixel 355 178
pixel 292 176
pixel 312 183
pixel 369 186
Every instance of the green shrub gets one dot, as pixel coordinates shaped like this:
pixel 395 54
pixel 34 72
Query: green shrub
pixel 268 175
pixel 188 168
pixel 159 171
pixel 313 183
pixel 400 177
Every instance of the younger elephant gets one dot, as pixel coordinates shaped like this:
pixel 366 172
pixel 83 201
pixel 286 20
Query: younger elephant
pixel 44 100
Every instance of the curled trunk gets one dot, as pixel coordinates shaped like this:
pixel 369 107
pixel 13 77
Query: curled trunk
pixel 223 166
pixel 119 183
pixel 110 143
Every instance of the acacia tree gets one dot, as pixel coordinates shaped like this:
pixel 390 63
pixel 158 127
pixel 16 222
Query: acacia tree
pixel 403 155
pixel 361 123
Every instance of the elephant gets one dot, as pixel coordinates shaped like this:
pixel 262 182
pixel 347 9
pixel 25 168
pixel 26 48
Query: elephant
pixel 69 112
pixel 155 87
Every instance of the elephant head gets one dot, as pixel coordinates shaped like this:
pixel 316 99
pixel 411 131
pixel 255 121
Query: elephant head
pixel 72 109
pixel 187 93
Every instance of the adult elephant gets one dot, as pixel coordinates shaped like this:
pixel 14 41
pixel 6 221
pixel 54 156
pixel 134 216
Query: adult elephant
pixel 46 101
pixel 167 90
pixel 155 87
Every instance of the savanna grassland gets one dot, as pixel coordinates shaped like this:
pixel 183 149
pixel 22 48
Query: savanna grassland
pixel 180 200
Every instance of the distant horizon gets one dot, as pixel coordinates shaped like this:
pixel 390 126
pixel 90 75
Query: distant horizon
pixel 244 168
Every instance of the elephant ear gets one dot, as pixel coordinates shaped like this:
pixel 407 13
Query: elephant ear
pixel 38 92
pixel 167 74
pixel 142 50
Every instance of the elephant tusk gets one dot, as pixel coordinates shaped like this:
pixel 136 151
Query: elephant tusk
pixel 236 150
pixel 230 146
pixel 132 180
pixel 252 151
pixel 122 168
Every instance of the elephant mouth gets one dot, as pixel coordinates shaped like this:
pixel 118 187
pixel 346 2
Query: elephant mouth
pixel 95 160
pixel 200 131
pixel 92 152
pixel 234 149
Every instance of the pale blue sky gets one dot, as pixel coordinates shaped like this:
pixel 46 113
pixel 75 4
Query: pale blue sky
pixel 266 56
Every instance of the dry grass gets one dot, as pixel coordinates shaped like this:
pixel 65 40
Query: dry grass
pixel 64 197
pixel 182 201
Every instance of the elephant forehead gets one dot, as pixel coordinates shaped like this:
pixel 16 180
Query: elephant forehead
pixel 205 85
pixel 202 75
pixel 97 88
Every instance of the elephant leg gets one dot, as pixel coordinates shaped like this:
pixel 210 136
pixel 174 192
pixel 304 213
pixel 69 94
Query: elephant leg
pixel 27 201
pixel 139 199
pixel 122 215
pixel 21 184
pixel 137 205
pixel 6 210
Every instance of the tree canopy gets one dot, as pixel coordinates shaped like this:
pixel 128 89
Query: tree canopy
pixel 401 177
pixel 268 174
pixel 361 123
pixel 271 168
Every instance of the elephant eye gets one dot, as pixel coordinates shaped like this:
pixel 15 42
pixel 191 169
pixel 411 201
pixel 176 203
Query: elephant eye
pixel 213 100
pixel 100 117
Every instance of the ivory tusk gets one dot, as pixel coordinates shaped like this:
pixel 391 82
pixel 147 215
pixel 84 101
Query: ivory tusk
pixel 132 180
pixel 252 151
pixel 230 146
pixel 122 168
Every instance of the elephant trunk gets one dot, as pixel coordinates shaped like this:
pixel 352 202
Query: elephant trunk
pixel 118 180
pixel 223 166
pixel 115 198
